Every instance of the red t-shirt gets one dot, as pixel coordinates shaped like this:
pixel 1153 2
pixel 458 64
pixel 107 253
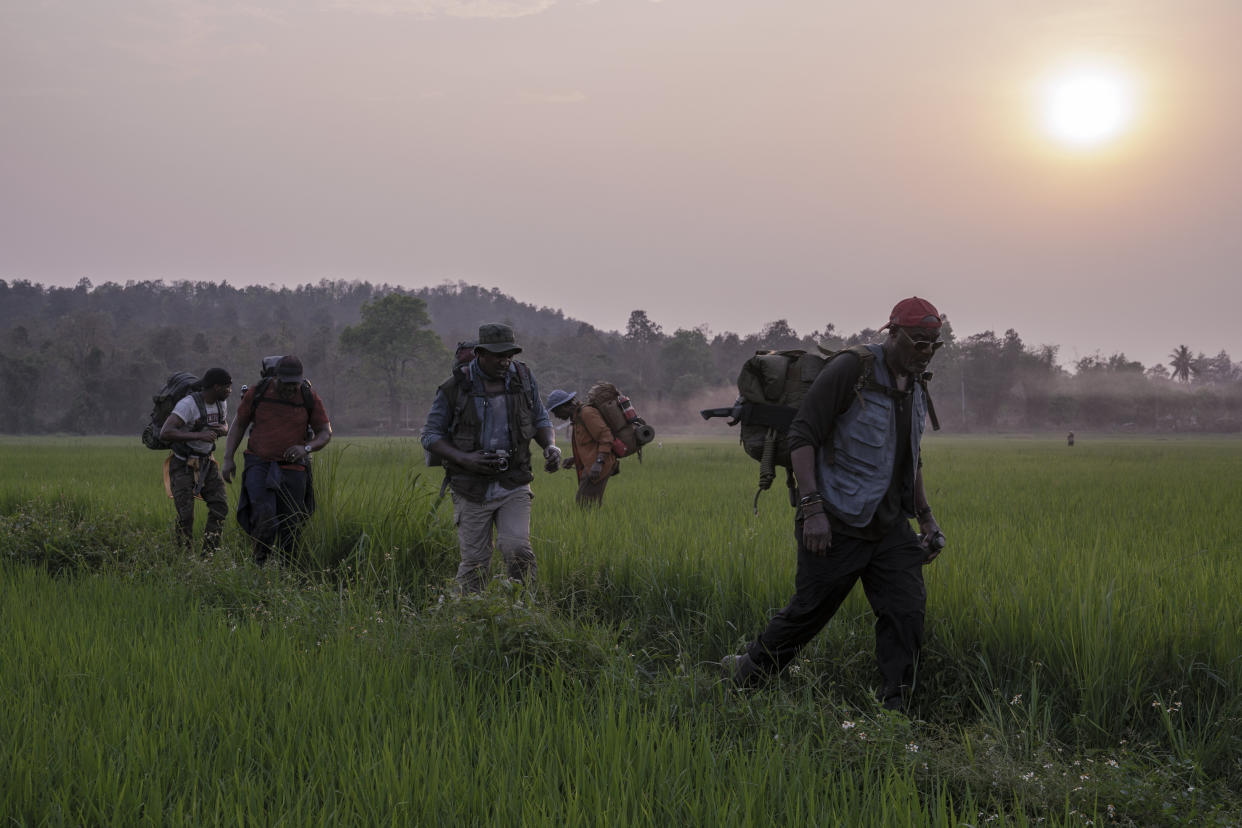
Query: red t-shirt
pixel 278 425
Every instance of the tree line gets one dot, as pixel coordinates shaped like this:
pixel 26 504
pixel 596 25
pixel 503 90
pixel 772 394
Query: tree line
pixel 87 359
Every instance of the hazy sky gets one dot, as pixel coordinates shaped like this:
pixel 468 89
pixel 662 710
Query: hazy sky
pixel 717 162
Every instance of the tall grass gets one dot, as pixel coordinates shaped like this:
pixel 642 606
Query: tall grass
pixel 1082 650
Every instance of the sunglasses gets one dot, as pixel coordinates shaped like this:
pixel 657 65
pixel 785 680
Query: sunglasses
pixel 923 346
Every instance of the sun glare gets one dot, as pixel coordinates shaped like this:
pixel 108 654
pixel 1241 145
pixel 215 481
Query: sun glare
pixel 1087 106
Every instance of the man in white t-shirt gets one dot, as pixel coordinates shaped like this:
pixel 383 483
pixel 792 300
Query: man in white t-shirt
pixel 197 421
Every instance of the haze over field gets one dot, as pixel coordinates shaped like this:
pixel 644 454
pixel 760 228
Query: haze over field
pixel 1064 168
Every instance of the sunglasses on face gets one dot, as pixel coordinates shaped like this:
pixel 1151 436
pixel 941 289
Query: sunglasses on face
pixel 923 346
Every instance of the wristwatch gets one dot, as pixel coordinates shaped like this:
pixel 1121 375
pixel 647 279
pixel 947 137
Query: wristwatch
pixel 307 449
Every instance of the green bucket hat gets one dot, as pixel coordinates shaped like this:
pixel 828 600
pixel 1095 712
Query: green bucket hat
pixel 497 338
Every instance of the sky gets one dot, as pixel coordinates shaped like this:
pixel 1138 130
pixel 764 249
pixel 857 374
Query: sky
pixel 717 163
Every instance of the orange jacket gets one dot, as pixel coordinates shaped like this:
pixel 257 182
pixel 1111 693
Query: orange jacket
pixel 591 438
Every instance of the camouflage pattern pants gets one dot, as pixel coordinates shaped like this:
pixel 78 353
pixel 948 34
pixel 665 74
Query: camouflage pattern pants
pixel 183 478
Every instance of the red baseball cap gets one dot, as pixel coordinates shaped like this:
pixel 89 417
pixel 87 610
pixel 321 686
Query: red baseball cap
pixel 914 313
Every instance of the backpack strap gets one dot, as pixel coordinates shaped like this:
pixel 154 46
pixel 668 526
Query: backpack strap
pixel 197 396
pixel 308 398
pixel 523 373
pixel 867 382
pixel 259 391
pixel 931 407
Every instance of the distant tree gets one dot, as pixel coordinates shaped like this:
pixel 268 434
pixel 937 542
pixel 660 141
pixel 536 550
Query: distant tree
pixel 687 361
pixel 1200 366
pixel 827 338
pixel 1217 369
pixel 779 335
pixel 395 347
pixel 1181 360
pixel 641 330
pixel 1118 364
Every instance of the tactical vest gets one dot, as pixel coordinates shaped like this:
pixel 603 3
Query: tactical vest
pixel 460 392
pixel 855 473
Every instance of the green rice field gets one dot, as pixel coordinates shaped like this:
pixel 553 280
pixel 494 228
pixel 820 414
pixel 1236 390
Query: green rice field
pixel 1083 660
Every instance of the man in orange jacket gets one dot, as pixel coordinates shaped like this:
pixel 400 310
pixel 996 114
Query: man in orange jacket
pixel 592 441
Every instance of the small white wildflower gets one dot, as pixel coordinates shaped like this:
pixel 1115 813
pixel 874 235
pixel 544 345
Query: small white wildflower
pixel 846 725
pixel 1028 776
pixel 1112 763
pixel 912 747
pixel 1016 699
pixel 1083 778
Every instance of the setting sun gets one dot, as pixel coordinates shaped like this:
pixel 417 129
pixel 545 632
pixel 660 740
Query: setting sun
pixel 1086 106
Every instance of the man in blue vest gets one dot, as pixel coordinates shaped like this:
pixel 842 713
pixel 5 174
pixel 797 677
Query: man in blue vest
pixel 855 450
pixel 481 425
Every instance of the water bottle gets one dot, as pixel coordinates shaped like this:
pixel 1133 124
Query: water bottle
pixel 627 409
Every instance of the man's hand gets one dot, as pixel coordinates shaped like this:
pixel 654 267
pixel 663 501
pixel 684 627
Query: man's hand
pixel 596 471
pixel 227 469
pixel 552 455
pixel 478 462
pixel 220 429
pixel 567 463
pixel 297 454
pixel 933 538
pixel 817 534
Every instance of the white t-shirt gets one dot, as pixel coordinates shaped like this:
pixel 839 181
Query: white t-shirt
pixel 187 410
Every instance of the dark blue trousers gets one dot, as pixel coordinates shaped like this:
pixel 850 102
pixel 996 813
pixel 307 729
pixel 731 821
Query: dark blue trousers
pixel 273 506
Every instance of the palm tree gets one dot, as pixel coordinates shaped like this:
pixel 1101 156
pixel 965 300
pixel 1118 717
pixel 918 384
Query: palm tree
pixel 1182 362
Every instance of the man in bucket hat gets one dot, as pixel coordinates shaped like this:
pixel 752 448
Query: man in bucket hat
pixel 592 440
pixel 855 448
pixel 481 424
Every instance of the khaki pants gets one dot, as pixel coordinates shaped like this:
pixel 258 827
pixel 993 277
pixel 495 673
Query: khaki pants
pixel 509 516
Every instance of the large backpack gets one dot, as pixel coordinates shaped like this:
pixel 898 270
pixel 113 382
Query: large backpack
pixel 462 358
pixel 175 387
pixel 630 432
pixel 770 387
pixel 267 375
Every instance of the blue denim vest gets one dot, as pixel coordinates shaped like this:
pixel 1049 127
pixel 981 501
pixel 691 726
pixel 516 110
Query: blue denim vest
pixel 854 476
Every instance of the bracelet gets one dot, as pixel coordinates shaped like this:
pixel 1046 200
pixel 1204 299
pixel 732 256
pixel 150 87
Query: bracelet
pixel 807 510
pixel 813 497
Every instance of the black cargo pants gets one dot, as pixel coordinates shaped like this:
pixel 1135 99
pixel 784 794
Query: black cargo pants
pixel 891 570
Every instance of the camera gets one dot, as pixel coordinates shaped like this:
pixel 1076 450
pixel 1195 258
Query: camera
pixel 499 458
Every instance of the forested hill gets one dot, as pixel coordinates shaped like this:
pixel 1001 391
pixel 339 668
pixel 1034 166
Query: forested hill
pixel 455 309
pixel 87 359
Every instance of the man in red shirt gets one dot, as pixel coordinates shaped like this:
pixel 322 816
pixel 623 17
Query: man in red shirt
pixel 287 421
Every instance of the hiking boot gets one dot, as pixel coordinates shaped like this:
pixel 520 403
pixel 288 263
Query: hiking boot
pixel 895 698
pixel 739 670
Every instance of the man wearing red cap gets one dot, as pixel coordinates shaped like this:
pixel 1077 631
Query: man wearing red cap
pixel 855 450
